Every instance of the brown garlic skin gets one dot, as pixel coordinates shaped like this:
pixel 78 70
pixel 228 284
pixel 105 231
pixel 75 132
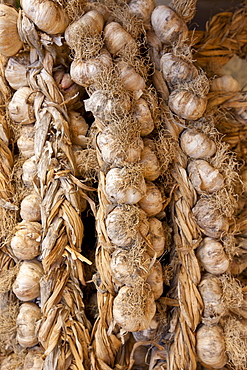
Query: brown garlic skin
pixel 116 38
pixel 10 42
pixel 196 144
pixel 26 322
pixel 212 256
pixel 26 285
pixel 186 104
pixel 25 243
pixel 30 208
pixel 204 177
pixel 168 26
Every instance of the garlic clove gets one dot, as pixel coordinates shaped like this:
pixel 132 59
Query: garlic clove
pixel 26 285
pixel 224 83
pixel 150 164
pixel 196 144
pixel 30 207
pixel 116 38
pixel 16 70
pixel 21 106
pixel 47 15
pixel 25 143
pixel 10 42
pixel 125 224
pixel 152 202
pixel 26 242
pixel 168 26
pixel 26 322
pixel 204 177
pixel 212 256
pixel 143 115
pixel 186 104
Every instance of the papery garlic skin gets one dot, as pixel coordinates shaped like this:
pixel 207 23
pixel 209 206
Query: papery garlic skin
pixel 209 219
pixel 212 256
pixel 26 285
pixel 132 311
pixel 168 26
pixel 121 189
pixel 10 42
pixel 125 224
pixel 47 15
pixel 143 115
pixel 155 279
pixel 156 237
pixel 204 177
pixel 21 106
pixel 116 38
pixel 224 83
pixel 26 242
pixel 152 202
pixel 186 104
pixel 25 143
pixel 26 322
pixel 30 208
pixel 210 346
pixel 150 163
pixel 196 144
pixel 16 70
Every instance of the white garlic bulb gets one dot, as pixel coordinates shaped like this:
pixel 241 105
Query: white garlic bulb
pixel 84 72
pixel 21 106
pixel 78 128
pixel 176 69
pixel 142 9
pixel 150 164
pixel 168 26
pixel 126 270
pixel 134 308
pixel 143 115
pixel 29 172
pixel 210 346
pixel 204 177
pixel 25 243
pixel 10 42
pixel 224 83
pixel 34 359
pixel 132 81
pixel 125 224
pixel 212 256
pixel 125 185
pixel 116 38
pixel 156 237
pixel 186 104
pixel 209 219
pixel 116 149
pixel 30 207
pixel 152 201
pixel 155 279
pixel 26 285
pixel 196 144
pixel 26 322
pixel 16 70
pixel 212 295
pixel 25 143
pixel 47 15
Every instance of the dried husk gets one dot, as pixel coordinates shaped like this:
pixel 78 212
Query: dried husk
pixel 197 144
pixel 27 283
pixel 10 42
pixel 212 256
pixel 16 70
pixel 26 322
pixel 26 242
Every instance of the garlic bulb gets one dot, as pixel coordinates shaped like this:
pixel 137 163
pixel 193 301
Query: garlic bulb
pixel 78 128
pixel 127 269
pixel 47 15
pixel 118 145
pixel 125 224
pixel 134 308
pixel 210 346
pixel 210 219
pixel 212 256
pixel 10 42
pixel 204 177
pixel 155 279
pixel 125 185
pixel 196 144
pixel 84 72
pixel 91 21
pixel 21 106
pixel 149 161
pixel 25 143
pixel 168 26
pixel 152 201
pixel 176 69
pixel 34 359
pixel 116 38
pixel 212 294
pixel 142 9
pixel 224 83
pixel 30 207
pixel 132 81
pixel 156 237
pixel 29 172
pixel 151 332
pixel 186 104
pixel 16 70
pixel 26 322
pixel 25 243
pixel 26 285
pixel 11 362
pixel 143 115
